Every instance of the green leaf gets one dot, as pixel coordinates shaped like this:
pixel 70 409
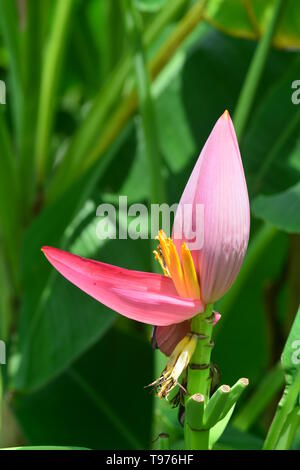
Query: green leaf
pixel 248 19
pixel 217 430
pixel 282 429
pixel 271 136
pixel 290 358
pixel 290 427
pixel 45 448
pixel 10 29
pixel 281 210
pixel 86 139
pixel 99 403
pixel 232 439
pixel 269 386
pixel 67 322
pixel 72 319
pixel 9 206
pixel 149 5
pixel 146 104
pixel 246 313
pixel 185 116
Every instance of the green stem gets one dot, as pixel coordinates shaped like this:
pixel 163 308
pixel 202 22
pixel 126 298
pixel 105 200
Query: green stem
pixel 199 374
pixel 11 35
pixel 49 82
pixel 285 407
pixel 91 142
pixel 255 72
pixel 198 440
pixel 133 22
pixel 264 393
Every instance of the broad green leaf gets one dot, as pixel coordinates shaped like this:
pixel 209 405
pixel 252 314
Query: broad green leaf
pixel 217 430
pixel 248 19
pixel 107 26
pixel 232 439
pixel 45 448
pixel 281 210
pixel 9 209
pixel 291 425
pixel 40 308
pixel 149 5
pixel 72 319
pixel 165 418
pixel 10 29
pixel 99 403
pixel 66 323
pixel 268 387
pixel 123 176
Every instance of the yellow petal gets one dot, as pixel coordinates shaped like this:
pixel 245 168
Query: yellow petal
pixel 190 275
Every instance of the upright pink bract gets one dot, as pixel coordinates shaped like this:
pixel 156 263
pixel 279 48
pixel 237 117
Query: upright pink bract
pixel 218 183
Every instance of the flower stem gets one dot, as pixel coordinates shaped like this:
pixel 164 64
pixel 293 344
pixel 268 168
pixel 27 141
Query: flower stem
pixel 199 375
